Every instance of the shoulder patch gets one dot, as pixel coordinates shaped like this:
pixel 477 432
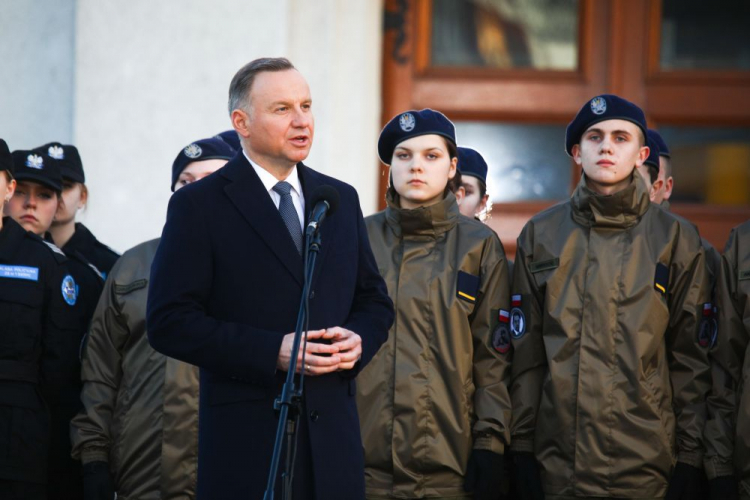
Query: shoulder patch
pixel 544 265
pixel 69 290
pixel 661 278
pixel 467 287
pixel 130 287
pixel 744 275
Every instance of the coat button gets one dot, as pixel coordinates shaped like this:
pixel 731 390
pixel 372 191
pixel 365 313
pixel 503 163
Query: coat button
pixel 312 294
pixel 314 415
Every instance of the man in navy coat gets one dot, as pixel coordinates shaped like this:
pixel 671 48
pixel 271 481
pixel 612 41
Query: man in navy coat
pixel 225 289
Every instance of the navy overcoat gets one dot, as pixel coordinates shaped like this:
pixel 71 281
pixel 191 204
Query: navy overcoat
pixel 225 288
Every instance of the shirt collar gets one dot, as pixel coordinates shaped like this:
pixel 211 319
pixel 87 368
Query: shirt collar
pixel 269 181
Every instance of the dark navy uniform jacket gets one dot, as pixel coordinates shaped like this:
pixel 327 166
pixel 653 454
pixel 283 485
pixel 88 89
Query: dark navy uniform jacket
pixel 225 288
pixel 62 385
pixel 92 249
pixel 35 319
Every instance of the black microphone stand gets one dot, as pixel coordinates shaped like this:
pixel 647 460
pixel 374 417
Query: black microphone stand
pixel 290 402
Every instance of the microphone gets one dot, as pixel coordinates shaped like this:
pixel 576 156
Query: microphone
pixel 325 201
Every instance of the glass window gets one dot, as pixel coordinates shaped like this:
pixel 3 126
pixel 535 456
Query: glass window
pixel 696 34
pixel 526 162
pixel 538 34
pixel 709 165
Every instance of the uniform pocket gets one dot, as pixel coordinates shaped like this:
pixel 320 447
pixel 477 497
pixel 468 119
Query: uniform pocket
pixel 21 313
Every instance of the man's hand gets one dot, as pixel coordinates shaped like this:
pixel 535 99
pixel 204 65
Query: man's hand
pixel 349 346
pixel 314 363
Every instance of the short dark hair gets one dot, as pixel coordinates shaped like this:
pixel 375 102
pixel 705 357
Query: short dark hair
pixel 242 82
pixel 653 173
pixel 666 164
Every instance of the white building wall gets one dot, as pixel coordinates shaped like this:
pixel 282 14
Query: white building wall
pixel 147 78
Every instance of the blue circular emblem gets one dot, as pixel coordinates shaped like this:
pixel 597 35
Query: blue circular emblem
pixel 517 323
pixel 69 290
pixel 407 122
pixel 598 105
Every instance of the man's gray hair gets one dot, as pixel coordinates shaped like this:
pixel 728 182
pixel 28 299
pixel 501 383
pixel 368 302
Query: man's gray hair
pixel 239 89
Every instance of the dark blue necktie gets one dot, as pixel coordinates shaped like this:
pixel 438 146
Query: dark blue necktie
pixel 289 213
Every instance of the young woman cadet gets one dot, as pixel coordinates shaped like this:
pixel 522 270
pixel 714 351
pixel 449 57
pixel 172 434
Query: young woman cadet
pixel 36 311
pixel 69 235
pixel 34 204
pixel 434 404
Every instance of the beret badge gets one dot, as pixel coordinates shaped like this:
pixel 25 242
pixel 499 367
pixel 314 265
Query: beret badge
pixel 193 151
pixel 407 122
pixel 598 105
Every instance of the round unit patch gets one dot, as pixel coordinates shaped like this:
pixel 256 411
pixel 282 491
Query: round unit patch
pixel 407 122
pixel 193 151
pixel 69 290
pixel 501 338
pixel 598 105
pixel 517 323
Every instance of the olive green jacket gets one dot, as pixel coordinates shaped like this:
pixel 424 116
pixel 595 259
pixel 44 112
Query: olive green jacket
pixel 728 430
pixel 610 364
pixel 140 408
pixel 439 385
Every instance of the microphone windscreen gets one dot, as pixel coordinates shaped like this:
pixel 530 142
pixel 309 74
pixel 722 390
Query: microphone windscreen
pixel 325 193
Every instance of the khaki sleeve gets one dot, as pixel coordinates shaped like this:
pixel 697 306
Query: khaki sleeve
pixel 529 356
pixel 492 352
pixel 689 369
pixel 726 366
pixel 101 372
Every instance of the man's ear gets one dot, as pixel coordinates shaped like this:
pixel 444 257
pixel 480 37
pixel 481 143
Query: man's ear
pixel 240 122
pixel 668 185
pixel 642 155
pixel 657 185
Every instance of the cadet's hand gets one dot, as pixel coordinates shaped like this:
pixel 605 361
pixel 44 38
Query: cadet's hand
pixel 528 480
pixel 97 482
pixel 685 483
pixel 723 488
pixel 349 345
pixel 314 364
pixel 484 475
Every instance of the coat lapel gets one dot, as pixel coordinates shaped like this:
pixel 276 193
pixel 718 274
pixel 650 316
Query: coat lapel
pixel 310 182
pixel 248 194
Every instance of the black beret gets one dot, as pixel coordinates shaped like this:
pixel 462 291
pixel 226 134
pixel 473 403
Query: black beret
pixel 653 154
pixel 471 162
pixel 413 124
pixel 599 109
pixel 36 166
pixel 657 138
pixel 231 137
pixel 204 149
pixel 67 158
pixel 6 159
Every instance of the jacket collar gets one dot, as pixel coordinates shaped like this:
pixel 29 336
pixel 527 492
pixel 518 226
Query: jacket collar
pixel 249 196
pixel 620 210
pixel 82 238
pixel 427 222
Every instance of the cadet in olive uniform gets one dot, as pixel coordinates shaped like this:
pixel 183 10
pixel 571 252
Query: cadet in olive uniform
pixel 69 235
pixel 433 403
pixel 138 431
pixel 610 364
pixel 35 310
pixel 728 430
pixel 34 205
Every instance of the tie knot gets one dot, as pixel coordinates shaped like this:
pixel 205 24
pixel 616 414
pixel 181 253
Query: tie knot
pixel 283 188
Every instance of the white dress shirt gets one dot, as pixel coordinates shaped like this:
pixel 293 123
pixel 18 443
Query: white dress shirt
pixel 269 181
